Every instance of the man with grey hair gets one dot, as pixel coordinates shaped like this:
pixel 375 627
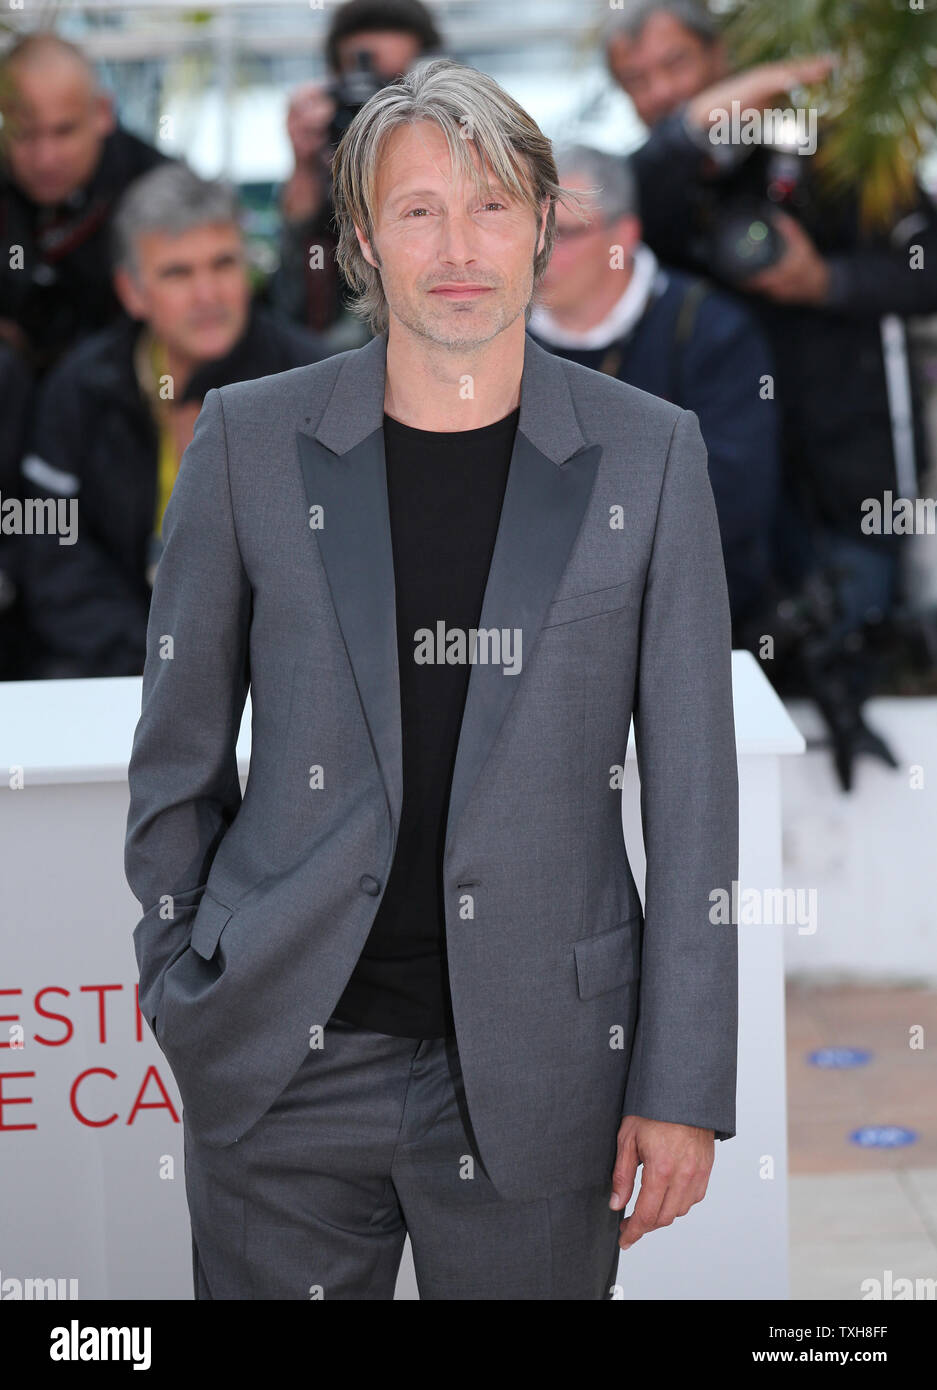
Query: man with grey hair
pixel 662 52
pixel 116 414
pixel 405 983
pixel 606 302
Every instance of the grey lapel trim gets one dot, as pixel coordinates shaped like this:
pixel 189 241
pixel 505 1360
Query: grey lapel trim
pixel 549 483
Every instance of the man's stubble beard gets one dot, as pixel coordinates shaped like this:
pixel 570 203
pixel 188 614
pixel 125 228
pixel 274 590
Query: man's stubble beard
pixel 449 336
pixel 424 326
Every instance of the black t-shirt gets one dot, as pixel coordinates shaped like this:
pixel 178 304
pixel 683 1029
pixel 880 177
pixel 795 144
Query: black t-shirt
pixel 444 492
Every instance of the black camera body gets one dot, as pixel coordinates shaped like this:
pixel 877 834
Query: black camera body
pixel 742 236
pixel 350 92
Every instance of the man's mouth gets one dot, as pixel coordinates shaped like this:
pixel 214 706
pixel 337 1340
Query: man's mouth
pixel 461 291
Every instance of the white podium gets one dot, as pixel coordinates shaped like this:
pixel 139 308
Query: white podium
pixel 92 1204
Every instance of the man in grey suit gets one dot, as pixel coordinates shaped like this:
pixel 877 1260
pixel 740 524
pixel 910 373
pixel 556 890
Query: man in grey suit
pixel 406 983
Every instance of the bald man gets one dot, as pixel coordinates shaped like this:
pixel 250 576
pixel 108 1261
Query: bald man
pixel 64 162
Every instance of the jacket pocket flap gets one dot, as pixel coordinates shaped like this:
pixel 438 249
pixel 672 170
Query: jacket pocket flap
pixel 210 921
pixel 609 959
pixel 570 610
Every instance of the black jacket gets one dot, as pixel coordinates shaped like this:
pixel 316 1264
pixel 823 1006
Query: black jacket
pixel 16 391
pixel 16 394
pixel 66 293
pixel 94 441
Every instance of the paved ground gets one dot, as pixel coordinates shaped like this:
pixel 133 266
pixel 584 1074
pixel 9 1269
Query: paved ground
pixel 857 1213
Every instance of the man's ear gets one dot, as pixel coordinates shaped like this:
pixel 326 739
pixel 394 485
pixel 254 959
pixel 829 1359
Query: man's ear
pixel 128 292
pixel 365 245
pixel 104 118
pixel 542 231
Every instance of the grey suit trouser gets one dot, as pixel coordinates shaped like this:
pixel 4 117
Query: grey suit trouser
pixel 370 1140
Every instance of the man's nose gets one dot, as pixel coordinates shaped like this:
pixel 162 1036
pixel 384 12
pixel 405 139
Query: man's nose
pixel 457 236
pixel 205 287
pixel 663 96
pixel 45 153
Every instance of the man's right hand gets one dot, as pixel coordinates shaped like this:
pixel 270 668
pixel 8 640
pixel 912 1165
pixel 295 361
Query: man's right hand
pixel 755 87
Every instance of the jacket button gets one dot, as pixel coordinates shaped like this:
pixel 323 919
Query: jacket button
pixel 367 884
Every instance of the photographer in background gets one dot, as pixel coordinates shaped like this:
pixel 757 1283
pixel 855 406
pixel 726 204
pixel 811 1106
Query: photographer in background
pixel 116 414
pixel 759 219
pixel 369 44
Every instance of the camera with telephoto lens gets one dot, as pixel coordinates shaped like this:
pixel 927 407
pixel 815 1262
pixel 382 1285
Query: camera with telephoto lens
pixel 350 92
pixel 744 240
pixel 743 237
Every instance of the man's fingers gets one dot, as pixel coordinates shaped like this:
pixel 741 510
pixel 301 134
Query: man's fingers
pixel 815 68
pixel 623 1175
pixel 646 1208
pixel 788 226
pixel 684 1192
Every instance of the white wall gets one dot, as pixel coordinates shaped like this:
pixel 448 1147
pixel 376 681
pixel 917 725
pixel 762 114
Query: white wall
pixel 871 854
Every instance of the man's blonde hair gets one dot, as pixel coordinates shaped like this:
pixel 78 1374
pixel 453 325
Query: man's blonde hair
pixel 467 105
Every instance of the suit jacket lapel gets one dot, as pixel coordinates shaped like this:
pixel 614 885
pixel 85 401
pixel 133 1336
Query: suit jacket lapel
pixel 540 517
pixel 549 483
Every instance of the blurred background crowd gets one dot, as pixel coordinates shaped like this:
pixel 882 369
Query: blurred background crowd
pixel 166 227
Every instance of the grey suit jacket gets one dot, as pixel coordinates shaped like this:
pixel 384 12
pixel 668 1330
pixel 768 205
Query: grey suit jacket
pixel 572 1006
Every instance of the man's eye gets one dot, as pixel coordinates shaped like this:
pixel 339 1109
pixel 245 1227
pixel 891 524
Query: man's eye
pixel 492 204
